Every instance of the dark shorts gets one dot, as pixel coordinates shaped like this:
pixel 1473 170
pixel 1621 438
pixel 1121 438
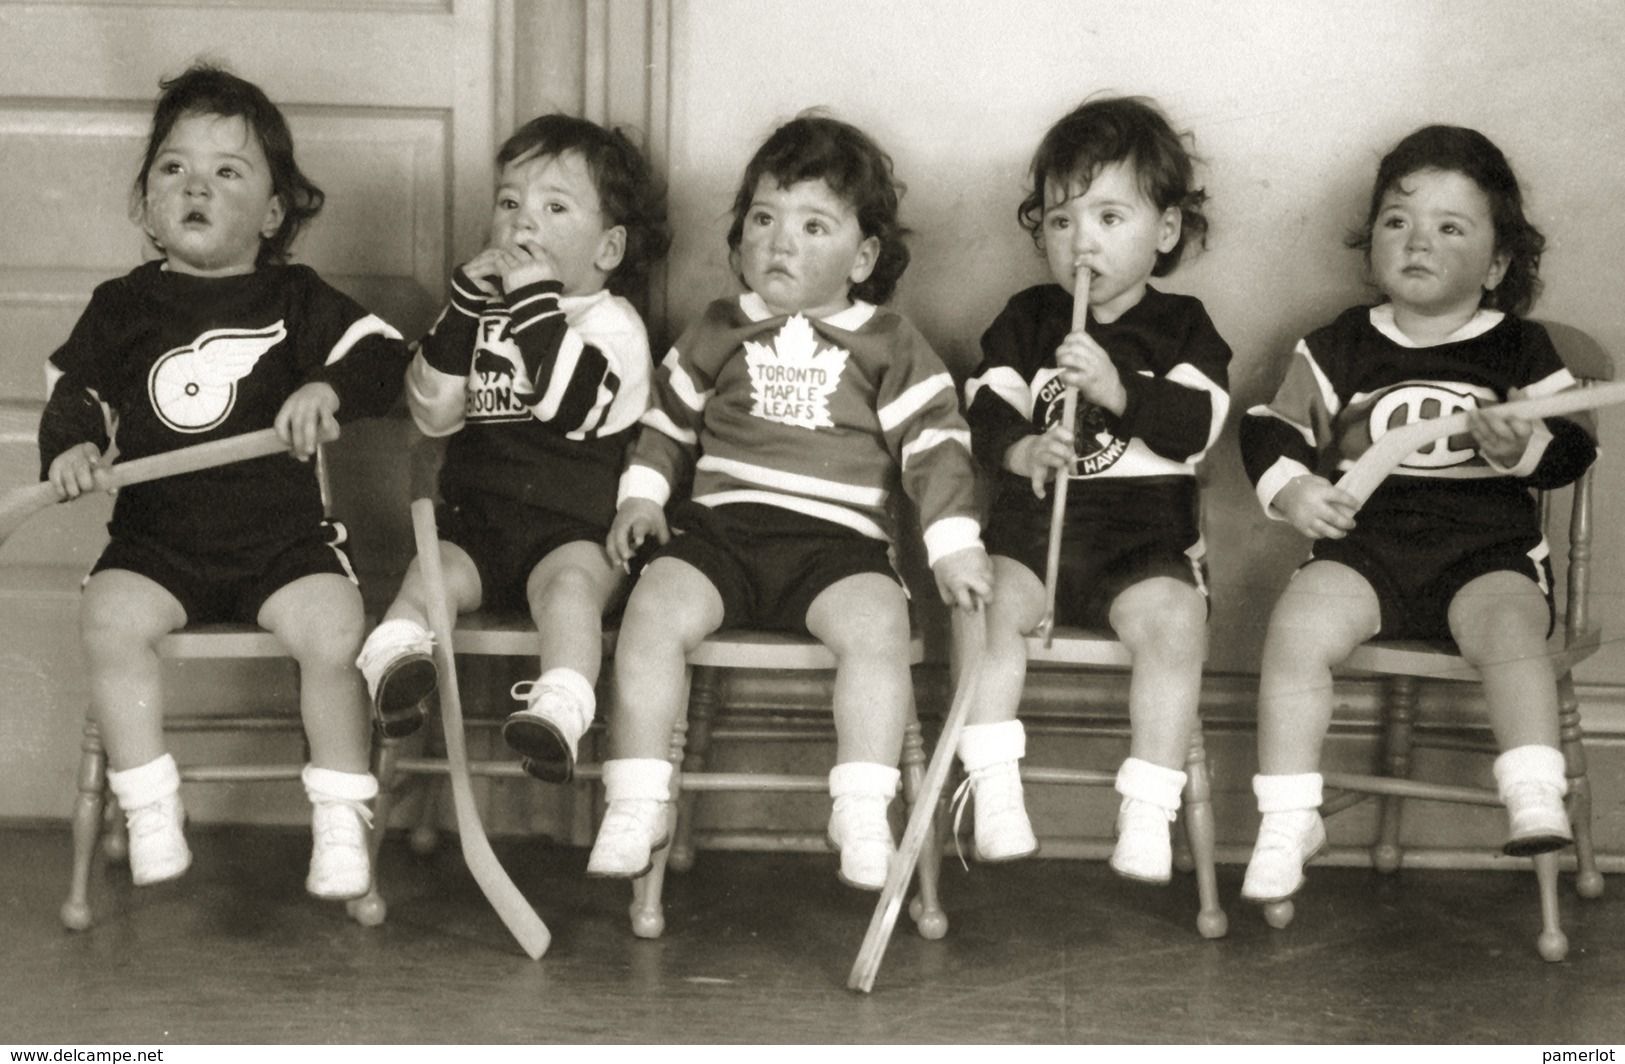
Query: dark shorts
pixel 216 589
pixel 1115 536
pixel 1417 577
pixel 507 540
pixel 769 563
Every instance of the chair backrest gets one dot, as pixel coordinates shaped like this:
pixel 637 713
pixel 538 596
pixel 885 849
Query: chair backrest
pixel 1590 364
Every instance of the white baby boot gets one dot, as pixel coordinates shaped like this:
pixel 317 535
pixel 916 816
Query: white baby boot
pixel 1289 834
pixel 150 797
pixel 340 856
pixel 1151 796
pixel 858 826
pixel 559 708
pixel 991 754
pixel 1532 781
pixel 637 790
pixel 397 661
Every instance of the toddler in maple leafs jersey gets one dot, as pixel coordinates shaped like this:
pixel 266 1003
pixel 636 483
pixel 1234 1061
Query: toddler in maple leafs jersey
pixel 219 337
pixel 1112 192
pixel 794 406
pixel 1449 546
pixel 537 371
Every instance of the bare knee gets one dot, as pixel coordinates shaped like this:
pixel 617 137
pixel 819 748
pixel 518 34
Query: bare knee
pixel 1163 618
pixel 322 627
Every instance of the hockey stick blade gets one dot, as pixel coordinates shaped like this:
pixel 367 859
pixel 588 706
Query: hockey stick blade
pixel 970 633
pixel 499 890
pixel 1395 445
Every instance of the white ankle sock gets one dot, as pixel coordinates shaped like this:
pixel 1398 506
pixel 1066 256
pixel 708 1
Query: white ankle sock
pixel 637 779
pixel 981 745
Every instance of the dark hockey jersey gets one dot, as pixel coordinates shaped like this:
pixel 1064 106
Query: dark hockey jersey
pixel 1354 379
pixel 539 392
pixel 161 360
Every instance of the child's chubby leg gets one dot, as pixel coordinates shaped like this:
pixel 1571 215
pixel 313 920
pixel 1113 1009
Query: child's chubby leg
pixel 1326 611
pixel 863 619
pixel 1499 621
pixel 122 617
pixel 397 660
pixel 672 609
pixel 1163 623
pixel 567 591
pixel 319 618
pixel 993 743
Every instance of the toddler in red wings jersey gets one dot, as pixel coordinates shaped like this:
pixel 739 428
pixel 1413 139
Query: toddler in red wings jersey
pixel 1450 546
pixel 795 406
pixel 216 338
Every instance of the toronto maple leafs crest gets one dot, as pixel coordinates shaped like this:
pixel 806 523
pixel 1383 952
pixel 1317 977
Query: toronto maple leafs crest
pixel 791 381
pixel 193 388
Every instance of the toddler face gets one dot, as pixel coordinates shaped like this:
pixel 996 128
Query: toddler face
pixel 1433 245
pixel 547 207
pixel 1111 228
pixel 801 248
pixel 209 201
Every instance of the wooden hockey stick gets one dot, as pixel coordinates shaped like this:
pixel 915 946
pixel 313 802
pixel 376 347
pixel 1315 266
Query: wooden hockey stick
pixel 1395 445
pixel 970 637
pixel 1057 517
pixel 482 862
pixel 18 505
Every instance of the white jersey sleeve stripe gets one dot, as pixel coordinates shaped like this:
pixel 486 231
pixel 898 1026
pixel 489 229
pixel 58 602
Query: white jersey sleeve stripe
pixel 563 376
pixel 1007 384
pixel 658 420
pixel 371 325
pixel 931 438
pixel 913 401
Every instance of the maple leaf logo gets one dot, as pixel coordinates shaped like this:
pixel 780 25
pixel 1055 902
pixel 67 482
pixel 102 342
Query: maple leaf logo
pixel 792 380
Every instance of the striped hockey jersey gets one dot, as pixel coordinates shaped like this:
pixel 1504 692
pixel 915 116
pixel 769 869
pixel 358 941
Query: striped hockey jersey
pixel 540 393
pixel 1173 364
pixel 1354 379
pixel 823 417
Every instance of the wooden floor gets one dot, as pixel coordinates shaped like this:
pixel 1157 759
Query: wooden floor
pixel 758 948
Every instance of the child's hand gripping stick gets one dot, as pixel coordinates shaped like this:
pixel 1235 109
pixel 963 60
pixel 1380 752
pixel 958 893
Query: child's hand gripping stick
pixel 1395 445
pixel 1069 414
pixel 17 506
pixel 970 640
pixel 499 890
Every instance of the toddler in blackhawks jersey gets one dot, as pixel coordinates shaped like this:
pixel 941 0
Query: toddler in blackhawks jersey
pixel 220 336
pixel 1113 192
pixel 1450 546
pixel 538 371
pixel 794 407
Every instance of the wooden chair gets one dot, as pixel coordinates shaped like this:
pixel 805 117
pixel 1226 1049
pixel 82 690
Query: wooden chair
pixel 713 718
pixel 1405 664
pixel 94 808
pixel 1081 648
pixel 709 721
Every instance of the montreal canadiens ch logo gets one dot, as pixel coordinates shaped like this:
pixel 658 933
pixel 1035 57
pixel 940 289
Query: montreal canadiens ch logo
pixel 1097 447
pixel 194 388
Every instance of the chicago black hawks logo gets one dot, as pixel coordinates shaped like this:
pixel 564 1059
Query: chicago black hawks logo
pixel 193 388
pixel 1096 445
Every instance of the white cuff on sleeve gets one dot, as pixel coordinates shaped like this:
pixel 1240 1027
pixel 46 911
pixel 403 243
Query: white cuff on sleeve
pixel 1532 454
pixel 641 482
pixel 951 534
pixel 1274 479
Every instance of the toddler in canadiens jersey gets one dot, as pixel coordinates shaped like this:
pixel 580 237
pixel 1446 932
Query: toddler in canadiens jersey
pixel 1450 546
pixel 538 371
pixel 794 406
pixel 1113 193
pixel 217 338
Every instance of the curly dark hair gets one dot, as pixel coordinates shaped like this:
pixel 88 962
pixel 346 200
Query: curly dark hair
pixel 813 146
pixel 206 89
pixel 1472 154
pixel 629 193
pixel 1100 132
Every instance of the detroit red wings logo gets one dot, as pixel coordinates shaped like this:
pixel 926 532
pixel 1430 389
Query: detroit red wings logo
pixel 193 388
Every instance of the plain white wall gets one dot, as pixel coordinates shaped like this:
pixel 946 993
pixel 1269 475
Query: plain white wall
pixel 1291 105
